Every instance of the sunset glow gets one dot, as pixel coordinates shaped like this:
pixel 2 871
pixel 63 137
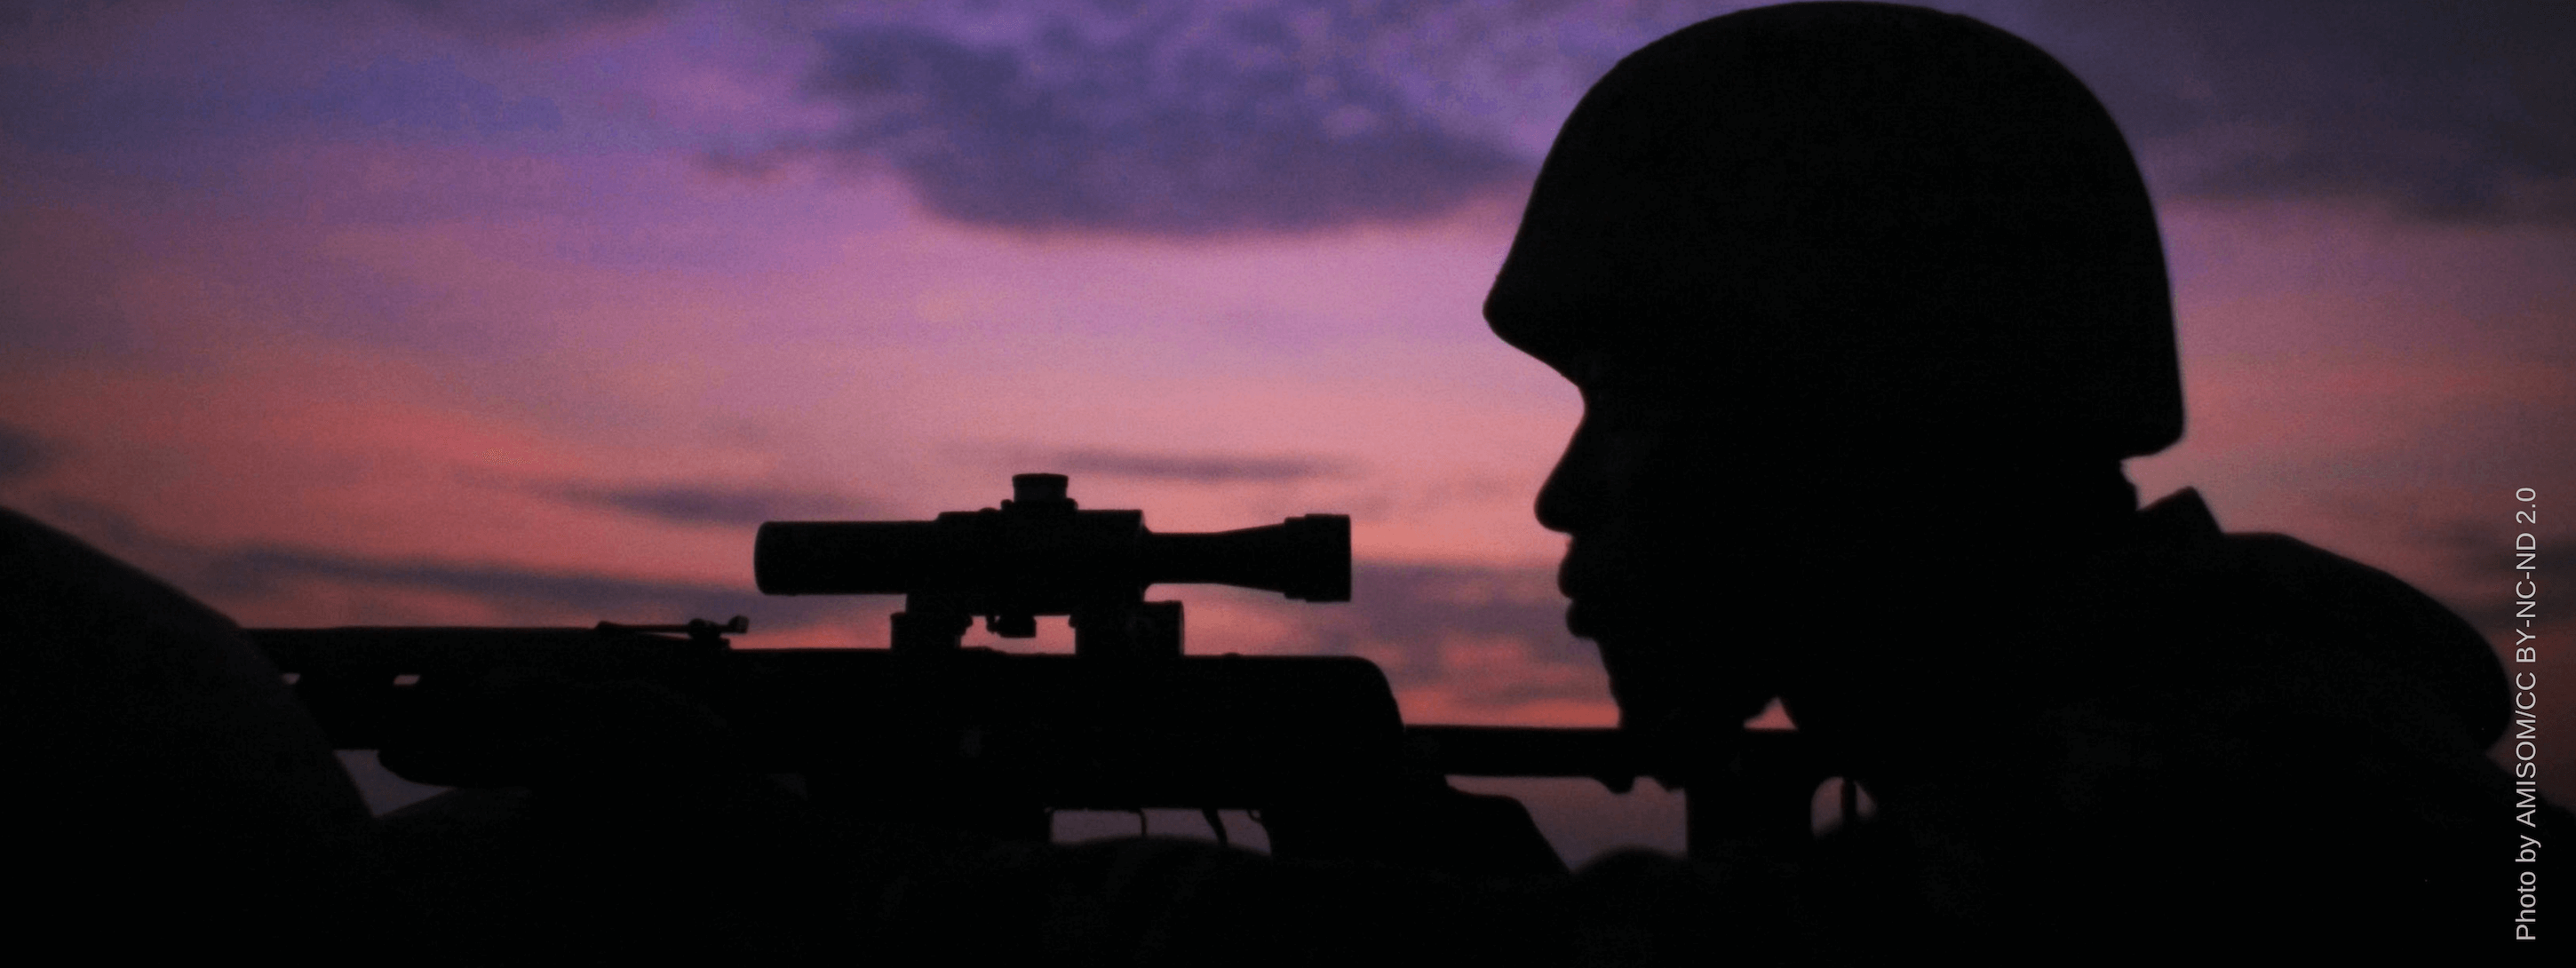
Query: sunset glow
pixel 457 313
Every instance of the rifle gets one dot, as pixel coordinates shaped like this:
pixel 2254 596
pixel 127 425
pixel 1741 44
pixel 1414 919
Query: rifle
pixel 929 730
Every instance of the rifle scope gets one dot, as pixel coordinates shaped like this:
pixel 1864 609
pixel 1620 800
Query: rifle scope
pixel 1038 552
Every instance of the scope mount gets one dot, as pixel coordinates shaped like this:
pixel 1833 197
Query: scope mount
pixel 1040 554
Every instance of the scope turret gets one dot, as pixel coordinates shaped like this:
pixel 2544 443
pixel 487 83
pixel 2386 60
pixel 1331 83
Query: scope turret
pixel 1039 554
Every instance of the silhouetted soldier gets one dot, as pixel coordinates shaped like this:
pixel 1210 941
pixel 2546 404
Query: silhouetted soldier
pixel 1867 306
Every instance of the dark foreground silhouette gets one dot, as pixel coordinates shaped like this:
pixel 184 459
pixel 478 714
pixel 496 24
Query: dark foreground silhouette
pixel 1867 306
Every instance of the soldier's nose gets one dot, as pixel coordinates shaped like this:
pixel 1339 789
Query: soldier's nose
pixel 1566 501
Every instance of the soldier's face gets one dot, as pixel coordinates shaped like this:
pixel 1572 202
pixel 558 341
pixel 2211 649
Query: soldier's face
pixel 1653 566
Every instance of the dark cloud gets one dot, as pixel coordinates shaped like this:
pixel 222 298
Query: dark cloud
pixel 166 127
pixel 1194 468
pixel 684 504
pixel 1419 603
pixel 1166 119
pixel 1406 617
pixel 58 14
pixel 253 571
pixel 1172 119
pixel 115 533
pixel 263 572
pixel 1189 119
pixel 23 453
pixel 2457 111
pixel 531 19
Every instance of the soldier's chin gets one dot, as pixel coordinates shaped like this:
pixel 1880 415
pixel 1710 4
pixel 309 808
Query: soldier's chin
pixel 1642 678
pixel 1583 620
pixel 1672 689
pixel 1615 622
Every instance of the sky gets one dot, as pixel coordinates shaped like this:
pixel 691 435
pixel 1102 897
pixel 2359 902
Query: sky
pixel 482 312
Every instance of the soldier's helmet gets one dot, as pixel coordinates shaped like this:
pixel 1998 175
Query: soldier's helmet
pixel 1861 219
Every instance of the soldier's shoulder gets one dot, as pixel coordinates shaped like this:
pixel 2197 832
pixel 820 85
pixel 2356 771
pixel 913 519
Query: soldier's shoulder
pixel 2344 612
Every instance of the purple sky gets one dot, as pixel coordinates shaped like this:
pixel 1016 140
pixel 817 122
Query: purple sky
pixel 448 311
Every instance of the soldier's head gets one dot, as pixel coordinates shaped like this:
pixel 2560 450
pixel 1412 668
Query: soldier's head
pixel 1842 285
